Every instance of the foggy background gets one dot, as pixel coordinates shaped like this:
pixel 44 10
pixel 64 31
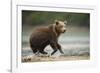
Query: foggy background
pixel 75 41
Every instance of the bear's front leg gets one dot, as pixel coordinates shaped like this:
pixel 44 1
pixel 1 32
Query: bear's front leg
pixel 54 47
pixel 59 47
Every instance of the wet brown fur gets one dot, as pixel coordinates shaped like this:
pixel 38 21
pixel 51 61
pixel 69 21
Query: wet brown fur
pixel 43 36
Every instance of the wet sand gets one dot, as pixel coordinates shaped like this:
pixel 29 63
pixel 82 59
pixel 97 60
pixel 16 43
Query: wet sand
pixel 51 58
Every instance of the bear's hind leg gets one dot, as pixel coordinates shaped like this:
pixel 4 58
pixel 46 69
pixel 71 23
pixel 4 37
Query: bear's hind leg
pixel 34 50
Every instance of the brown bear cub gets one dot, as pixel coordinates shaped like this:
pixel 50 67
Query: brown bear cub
pixel 43 36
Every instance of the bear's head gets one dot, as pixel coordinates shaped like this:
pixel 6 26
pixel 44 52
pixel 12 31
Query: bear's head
pixel 60 26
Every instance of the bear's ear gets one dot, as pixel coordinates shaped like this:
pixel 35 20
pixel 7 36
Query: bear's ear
pixel 57 22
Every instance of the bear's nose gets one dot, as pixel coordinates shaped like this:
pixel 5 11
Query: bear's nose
pixel 64 30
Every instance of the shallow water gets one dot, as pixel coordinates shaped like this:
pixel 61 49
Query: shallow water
pixel 75 42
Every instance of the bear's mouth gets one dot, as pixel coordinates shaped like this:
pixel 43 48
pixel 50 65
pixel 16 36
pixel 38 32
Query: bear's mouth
pixel 64 31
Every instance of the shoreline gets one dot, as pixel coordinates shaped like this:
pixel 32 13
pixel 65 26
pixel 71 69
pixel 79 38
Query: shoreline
pixel 48 58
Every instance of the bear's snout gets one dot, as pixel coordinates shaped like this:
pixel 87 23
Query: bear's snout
pixel 64 30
